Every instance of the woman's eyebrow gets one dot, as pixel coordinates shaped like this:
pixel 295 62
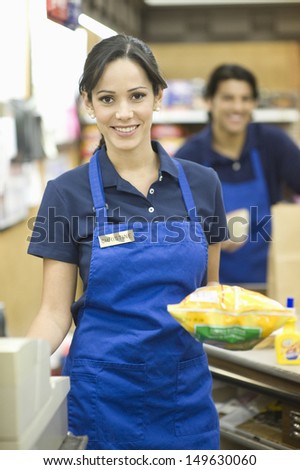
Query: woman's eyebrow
pixel 130 90
pixel 105 91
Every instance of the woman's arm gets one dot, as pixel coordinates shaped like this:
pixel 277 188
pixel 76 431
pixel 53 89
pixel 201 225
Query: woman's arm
pixel 213 264
pixel 54 318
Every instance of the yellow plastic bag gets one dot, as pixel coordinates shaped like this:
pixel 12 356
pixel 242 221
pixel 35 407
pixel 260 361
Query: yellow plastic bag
pixel 230 316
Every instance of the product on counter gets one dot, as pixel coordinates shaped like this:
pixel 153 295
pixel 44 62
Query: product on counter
pixel 287 342
pixel 230 316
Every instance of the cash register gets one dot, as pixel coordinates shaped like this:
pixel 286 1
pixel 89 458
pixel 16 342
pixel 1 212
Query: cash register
pixel 33 404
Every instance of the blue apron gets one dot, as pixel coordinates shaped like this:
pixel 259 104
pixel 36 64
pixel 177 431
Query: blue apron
pixel 138 379
pixel 249 263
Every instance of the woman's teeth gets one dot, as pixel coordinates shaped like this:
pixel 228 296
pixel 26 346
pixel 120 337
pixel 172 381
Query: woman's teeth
pixel 125 129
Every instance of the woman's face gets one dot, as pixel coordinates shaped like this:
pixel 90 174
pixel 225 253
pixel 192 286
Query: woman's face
pixel 123 102
pixel 232 105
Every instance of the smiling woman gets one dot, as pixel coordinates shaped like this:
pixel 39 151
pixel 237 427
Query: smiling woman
pixel 144 238
pixel 123 105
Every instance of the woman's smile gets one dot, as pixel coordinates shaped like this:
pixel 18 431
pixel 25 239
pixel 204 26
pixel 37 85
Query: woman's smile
pixel 123 102
pixel 125 130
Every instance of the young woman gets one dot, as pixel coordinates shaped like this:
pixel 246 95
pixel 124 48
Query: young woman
pixel 253 161
pixel 144 230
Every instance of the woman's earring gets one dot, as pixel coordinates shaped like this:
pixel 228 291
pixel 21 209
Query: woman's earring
pixel 157 108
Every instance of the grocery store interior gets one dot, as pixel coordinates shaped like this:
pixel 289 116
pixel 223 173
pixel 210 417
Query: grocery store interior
pixel 46 131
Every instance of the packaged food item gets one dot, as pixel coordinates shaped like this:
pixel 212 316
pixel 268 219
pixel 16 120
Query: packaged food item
pixel 230 316
pixel 287 342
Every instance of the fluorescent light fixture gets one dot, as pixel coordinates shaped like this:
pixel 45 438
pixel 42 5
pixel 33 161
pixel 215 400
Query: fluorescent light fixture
pixel 95 27
pixel 173 3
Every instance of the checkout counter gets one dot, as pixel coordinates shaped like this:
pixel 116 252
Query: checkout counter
pixel 256 372
pixel 33 404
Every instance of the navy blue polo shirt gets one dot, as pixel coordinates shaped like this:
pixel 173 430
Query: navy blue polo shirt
pixel 280 158
pixel 63 228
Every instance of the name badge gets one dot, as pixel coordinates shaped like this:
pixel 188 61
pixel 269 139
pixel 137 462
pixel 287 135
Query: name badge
pixel 117 238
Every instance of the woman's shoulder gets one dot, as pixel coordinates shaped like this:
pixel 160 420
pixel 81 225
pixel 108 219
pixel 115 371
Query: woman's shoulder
pixel 70 190
pixel 72 181
pixel 201 178
pixel 72 176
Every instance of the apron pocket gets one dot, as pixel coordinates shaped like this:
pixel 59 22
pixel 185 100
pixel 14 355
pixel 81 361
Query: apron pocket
pixel 106 401
pixel 82 399
pixel 196 412
pixel 121 402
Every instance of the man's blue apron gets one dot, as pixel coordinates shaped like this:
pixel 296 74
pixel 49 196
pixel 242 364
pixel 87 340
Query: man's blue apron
pixel 249 263
pixel 138 379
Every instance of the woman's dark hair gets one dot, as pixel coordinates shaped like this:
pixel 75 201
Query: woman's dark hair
pixel 117 47
pixel 226 72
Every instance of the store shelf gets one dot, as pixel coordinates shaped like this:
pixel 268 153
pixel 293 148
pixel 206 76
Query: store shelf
pixel 276 115
pixel 175 116
pixel 199 116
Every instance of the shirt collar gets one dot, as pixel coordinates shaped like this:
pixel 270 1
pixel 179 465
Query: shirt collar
pixel 166 163
pixel 110 176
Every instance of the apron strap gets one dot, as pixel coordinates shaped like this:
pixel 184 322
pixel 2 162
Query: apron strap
pixel 256 162
pixel 96 185
pixel 186 192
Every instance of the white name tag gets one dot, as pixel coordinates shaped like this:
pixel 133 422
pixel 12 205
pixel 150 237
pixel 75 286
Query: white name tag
pixel 117 238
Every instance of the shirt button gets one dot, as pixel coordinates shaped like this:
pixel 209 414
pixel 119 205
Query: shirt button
pixel 151 209
pixel 151 191
pixel 160 178
pixel 236 166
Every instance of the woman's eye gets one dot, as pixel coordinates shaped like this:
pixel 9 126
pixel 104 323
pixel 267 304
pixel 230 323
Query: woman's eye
pixel 106 99
pixel 138 96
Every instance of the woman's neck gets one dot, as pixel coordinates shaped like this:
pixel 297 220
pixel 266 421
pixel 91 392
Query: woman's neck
pixel 140 168
pixel 132 159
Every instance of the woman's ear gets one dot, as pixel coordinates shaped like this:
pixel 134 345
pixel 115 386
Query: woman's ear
pixel 158 100
pixel 88 104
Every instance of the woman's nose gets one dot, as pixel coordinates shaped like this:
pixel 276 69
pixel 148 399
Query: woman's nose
pixel 124 112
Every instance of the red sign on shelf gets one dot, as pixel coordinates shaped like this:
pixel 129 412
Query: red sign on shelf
pixel 64 12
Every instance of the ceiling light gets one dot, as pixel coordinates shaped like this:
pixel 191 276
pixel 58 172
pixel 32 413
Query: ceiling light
pixel 95 27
